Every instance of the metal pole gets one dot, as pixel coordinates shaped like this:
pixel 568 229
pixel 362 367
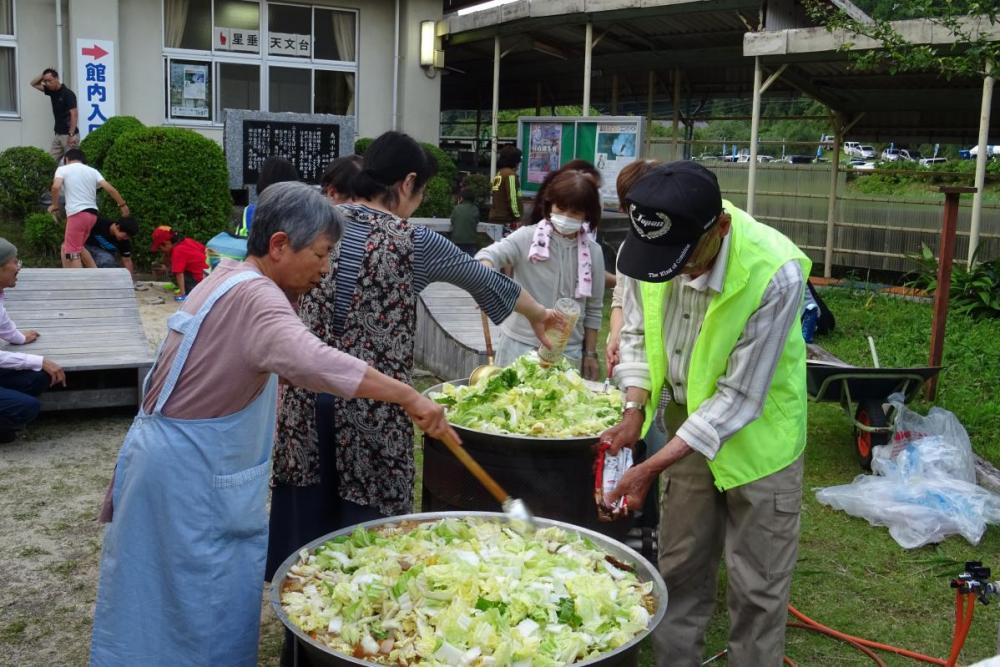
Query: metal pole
pixel 59 46
pixel 754 132
pixel 981 158
pixel 831 207
pixel 677 112
pixel 614 94
pixel 496 106
pixel 395 71
pixel 588 47
pixel 946 255
pixel 649 112
pixel 538 98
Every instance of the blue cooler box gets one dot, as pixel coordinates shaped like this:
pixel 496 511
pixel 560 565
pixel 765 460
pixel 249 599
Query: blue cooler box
pixel 225 246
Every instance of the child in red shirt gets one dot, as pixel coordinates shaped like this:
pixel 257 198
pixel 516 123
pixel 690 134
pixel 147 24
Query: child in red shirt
pixel 186 257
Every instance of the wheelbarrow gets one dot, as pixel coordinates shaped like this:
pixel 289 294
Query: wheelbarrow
pixel 862 393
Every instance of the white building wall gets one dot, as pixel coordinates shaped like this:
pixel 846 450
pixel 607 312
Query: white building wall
pixel 136 27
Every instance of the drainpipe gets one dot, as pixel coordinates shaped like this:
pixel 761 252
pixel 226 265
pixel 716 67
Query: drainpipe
pixel 395 73
pixel 59 41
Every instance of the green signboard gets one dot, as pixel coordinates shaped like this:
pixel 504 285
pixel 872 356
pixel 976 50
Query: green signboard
pixel 548 142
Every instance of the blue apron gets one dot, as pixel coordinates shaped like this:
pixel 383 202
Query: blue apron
pixel 182 567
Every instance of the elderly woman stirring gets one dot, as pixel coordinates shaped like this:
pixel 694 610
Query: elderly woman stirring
pixel 555 258
pixel 183 557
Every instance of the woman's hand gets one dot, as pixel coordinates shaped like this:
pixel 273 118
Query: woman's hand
pixel 429 417
pixel 611 350
pixel 550 320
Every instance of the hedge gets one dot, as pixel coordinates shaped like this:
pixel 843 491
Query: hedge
pixel 25 173
pixel 43 235
pixel 97 144
pixel 169 176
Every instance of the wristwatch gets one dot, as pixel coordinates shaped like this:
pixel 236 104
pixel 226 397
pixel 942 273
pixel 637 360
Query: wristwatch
pixel 633 405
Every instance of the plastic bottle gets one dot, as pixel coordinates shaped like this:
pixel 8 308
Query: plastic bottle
pixel 558 337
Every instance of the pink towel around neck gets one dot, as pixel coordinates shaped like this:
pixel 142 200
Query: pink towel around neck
pixel 539 252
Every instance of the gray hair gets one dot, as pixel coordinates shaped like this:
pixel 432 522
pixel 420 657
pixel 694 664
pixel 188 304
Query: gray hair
pixel 296 209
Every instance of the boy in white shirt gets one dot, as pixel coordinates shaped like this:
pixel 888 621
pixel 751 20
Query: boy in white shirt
pixel 81 184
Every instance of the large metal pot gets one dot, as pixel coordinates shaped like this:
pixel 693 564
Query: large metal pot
pixel 553 476
pixel 626 655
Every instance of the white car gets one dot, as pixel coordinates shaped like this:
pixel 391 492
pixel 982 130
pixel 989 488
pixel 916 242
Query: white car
pixel 852 148
pixel 865 166
pixel 928 161
pixel 890 155
pixel 866 152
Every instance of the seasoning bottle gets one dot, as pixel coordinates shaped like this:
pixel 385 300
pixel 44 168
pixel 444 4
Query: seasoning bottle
pixel 557 336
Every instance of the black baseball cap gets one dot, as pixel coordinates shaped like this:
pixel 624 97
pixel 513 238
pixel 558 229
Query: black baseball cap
pixel 669 210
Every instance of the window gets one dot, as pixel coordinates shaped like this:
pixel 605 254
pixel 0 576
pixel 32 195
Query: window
pixel 8 60
pixel 248 54
pixel 239 87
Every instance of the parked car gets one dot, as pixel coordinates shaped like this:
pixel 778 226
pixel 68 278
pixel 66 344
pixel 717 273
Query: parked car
pixel 909 155
pixel 991 151
pixel 852 148
pixel 890 155
pixel 866 152
pixel 929 161
pixel 865 166
pixel 798 159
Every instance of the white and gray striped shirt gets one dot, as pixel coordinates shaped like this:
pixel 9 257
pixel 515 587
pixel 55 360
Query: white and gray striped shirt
pixel 740 393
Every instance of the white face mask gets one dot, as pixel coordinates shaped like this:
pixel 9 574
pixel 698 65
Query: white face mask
pixel 564 224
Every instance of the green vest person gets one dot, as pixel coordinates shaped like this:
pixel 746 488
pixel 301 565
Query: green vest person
pixel 712 299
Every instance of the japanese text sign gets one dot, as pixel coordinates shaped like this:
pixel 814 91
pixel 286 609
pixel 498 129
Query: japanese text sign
pixel 96 83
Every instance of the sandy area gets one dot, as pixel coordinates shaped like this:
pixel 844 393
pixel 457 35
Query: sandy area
pixel 52 480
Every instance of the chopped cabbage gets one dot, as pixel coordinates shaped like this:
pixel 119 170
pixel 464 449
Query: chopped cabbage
pixel 528 399
pixel 409 594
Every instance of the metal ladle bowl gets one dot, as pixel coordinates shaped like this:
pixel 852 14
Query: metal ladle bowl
pixel 488 370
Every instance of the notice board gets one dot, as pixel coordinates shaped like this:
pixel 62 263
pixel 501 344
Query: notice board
pixel 607 142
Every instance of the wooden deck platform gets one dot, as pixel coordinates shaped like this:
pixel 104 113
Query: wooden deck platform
pixel 89 324
pixel 449 340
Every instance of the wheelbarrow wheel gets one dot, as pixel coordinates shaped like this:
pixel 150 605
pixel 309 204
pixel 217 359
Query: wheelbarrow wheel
pixel 869 413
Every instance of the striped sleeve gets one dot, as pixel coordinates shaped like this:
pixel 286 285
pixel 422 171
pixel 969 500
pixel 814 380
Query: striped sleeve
pixel 435 258
pixel 512 191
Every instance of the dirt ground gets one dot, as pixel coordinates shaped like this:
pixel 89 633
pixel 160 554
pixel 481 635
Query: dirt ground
pixel 52 480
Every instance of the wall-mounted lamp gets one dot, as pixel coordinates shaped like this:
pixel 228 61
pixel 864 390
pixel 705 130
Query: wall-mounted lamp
pixel 431 55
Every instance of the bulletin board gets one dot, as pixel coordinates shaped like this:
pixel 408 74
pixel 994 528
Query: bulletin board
pixel 607 142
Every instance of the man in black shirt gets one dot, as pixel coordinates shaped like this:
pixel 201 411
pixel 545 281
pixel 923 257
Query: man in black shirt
pixel 67 132
pixel 110 240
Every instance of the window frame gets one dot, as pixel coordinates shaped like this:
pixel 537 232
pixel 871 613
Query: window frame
pixel 262 59
pixel 10 42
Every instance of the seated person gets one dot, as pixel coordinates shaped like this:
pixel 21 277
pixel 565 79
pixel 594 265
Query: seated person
pixel 22 376
pixel 185 257
pixel 109 242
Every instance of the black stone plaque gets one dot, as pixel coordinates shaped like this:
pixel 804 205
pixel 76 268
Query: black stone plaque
pixel 309 146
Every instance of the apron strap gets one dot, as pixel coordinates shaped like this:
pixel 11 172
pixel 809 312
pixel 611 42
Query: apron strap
pixel 188 325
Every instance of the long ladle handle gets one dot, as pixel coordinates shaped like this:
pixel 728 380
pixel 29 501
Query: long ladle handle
pixel 477 470
pixel 487 337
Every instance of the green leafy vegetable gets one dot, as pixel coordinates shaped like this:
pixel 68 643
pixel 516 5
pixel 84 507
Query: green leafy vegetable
pixel 527 399
pixel 484 596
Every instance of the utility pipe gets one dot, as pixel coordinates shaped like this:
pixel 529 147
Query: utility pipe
pixel 587 50
pixel 59 43
pixel 677 112
pixel 494 128
pixel 754 135
pixel 395 73
pixel 981 158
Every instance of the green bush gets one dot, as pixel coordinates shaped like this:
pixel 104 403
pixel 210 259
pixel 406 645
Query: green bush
pixel 446 166
pixel 97 144
pixel 25 173
pixel 438 199
pixel 480 186
pixel 43 235
pixel 362 144
pixel 169 176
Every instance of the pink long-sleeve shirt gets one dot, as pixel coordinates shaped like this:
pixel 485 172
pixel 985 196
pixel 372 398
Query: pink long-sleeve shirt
pixel 8 331
pixel 251 332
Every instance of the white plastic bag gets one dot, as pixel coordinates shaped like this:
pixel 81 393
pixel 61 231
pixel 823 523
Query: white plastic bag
pixel 924 489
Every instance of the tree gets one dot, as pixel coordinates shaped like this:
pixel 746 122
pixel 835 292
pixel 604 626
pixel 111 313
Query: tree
pixel 966 20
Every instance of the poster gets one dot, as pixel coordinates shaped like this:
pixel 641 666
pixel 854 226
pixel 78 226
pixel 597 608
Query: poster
pixel 616 147
pixel 308 146
pixel 95 70
pixel 194 82
pixel 544 150
pixel 189 90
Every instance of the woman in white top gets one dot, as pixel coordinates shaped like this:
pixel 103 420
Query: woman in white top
pixel 552 259
pixel 81 184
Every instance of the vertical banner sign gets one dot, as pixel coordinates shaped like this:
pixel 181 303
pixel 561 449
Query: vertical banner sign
pixel 544 150
pixel 95 76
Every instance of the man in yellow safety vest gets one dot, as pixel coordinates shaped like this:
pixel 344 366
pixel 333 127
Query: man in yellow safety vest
pixel 712 303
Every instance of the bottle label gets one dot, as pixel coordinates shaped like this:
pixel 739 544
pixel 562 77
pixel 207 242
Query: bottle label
pixel 608 471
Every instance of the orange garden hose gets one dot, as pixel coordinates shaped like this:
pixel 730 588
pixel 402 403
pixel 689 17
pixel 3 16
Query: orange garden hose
pixel 964 605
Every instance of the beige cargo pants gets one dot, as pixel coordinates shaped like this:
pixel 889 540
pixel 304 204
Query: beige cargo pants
pixel 756 527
